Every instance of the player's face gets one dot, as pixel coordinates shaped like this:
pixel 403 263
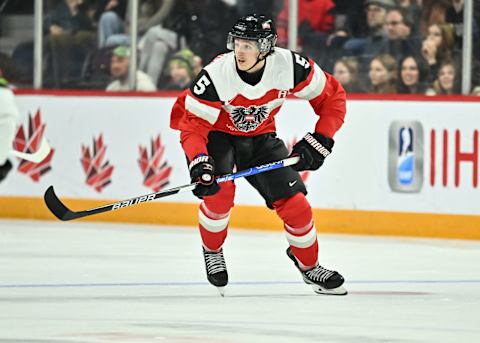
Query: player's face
pixel 409 72
pixel 246 53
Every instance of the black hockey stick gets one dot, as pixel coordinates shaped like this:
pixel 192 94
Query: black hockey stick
pixel 61 211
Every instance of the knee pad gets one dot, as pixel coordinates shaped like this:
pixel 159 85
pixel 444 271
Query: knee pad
pixel 222 201
pixel 294 211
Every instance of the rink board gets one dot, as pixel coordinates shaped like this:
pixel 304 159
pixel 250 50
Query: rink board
pixel 406 166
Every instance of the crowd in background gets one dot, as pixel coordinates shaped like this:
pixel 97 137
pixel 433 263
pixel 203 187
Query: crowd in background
pixel 374 46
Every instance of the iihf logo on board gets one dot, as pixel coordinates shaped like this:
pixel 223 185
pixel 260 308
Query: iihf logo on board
pixel 156 172
pixel 98 173
pixel 248 118
pixel 405 162
pixel 30 143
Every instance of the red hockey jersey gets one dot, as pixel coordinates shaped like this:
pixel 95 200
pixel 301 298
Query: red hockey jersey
pixel 220 100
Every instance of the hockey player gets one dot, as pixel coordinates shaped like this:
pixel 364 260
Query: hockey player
pixel 226 119
pixel 8 115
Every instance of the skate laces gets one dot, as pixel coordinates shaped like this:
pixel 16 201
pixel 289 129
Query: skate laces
pixel 319 274
pixel 215 262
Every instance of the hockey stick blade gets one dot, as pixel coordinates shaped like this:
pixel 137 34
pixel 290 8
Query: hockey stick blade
pixel 57 207
pixel 62 212
pixel 35 157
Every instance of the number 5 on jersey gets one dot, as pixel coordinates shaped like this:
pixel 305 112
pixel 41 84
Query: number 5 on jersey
pixel 201 85
pixel 302 61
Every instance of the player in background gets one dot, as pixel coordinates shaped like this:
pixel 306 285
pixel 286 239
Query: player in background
pixel 8 117
pixel 226 119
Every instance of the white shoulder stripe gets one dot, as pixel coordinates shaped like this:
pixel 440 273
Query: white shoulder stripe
pixel 203 111
pixel 316 85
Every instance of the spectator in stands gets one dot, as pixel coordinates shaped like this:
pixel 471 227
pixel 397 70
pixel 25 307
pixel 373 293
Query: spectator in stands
pixel 412 10
pixel 447 82
pixel 70 37
pixel 437 47
pixel 197 64
pixel 8 69
pixel 347 18
pixel 383 74
pixel 345 71
pixel 110 15
pixel 189 23
pixel 375 43
pixel 180 68
pixel 119 70
pixel 454 15
pixel 315 21
pixel 413 75
pixel 151 13
pixel 270 8
pixel 160 38
pixel 348 24
pixel 67 17
pixel 204 35
pixel 433 11
pixel 397 25
pixel 376 38
pixel 399 32
pixel 476 91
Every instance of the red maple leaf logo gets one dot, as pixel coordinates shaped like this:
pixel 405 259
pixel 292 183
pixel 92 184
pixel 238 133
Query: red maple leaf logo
pixel 98 173
pixel 29 144
pixel 304 174
pixel 155 171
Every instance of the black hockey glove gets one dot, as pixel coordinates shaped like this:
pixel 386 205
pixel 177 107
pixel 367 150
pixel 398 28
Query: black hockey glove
pixel 312 149
pixel 4 169
pixel 202 170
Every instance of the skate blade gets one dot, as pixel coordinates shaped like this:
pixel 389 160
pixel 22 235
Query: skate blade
pixel 221 290
pixel 334 291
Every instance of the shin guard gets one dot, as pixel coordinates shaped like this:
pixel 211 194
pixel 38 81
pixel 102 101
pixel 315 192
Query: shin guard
pixel 214 215
pixel 296 214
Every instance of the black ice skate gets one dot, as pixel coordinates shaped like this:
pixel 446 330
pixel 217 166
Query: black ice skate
pixel 322 280
pixel 216 269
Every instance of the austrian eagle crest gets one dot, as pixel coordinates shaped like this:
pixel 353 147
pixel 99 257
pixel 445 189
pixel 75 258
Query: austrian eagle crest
pixel 247 119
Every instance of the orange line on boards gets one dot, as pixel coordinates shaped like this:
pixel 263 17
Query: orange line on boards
pixel 258 217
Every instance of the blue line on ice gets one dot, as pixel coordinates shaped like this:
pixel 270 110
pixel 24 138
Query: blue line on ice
pixel 189 283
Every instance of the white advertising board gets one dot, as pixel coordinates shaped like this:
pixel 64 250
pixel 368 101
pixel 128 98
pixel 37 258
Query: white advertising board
pixel 406 156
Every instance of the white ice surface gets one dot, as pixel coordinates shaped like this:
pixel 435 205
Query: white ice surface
pixel 83 282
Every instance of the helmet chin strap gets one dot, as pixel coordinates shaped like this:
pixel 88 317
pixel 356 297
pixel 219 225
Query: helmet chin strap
pixel 258 61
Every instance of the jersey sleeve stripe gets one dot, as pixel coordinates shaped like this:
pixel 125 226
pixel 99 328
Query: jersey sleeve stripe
pixel 202 111
pixel 315 87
